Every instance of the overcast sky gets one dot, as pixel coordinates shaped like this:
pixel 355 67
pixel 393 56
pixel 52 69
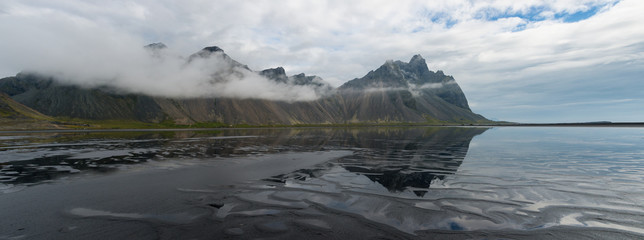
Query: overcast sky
pixel 525 61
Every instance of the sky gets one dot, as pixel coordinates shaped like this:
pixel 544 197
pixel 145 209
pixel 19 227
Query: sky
pixel 522 61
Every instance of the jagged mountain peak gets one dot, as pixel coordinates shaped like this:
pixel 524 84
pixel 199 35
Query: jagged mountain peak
pixel 212 49
pixel 277 74
pixel 417 59
pixel 157 45
pixel 392 74
pixel 419 63
pixel 416 70
pixel 396 74
pixel 275 71
pixel 390 67
pixel 156 49
pixel 207 52
pixel 414 77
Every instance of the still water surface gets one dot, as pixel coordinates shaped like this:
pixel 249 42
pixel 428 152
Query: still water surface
pixel 320 183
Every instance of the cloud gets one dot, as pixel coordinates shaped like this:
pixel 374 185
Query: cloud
pixel 500 52
pixel 213 75
pixel 88 53
pixel 167 74
pixel 415 90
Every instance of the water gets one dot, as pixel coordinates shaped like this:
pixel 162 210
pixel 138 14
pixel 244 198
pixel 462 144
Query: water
pixel 320 183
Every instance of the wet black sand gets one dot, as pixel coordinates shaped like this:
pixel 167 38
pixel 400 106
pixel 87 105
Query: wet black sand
pixel 394 183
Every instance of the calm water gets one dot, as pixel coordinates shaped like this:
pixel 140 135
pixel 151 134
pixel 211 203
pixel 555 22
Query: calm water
pixel 367 183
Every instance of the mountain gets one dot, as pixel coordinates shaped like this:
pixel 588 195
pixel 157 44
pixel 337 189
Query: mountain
pixel 395 92
pixel 414 77
pixel 53 98
pixel 406 92
pixel 278 74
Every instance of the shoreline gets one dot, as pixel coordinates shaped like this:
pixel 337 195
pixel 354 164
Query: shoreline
pixel 71 130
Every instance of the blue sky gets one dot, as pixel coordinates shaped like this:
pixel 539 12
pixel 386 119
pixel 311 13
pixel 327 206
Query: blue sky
pixel 526 61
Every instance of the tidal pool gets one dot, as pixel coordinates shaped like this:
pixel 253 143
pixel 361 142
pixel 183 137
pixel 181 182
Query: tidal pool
pixel 320 183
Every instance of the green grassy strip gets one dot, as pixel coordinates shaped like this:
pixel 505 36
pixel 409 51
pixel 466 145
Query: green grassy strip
pixel 131 124
pixel 74 123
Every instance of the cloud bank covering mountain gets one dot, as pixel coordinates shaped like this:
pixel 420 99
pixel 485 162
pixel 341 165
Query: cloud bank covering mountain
pixel 394 93
pixel 530 61
pixel 155 70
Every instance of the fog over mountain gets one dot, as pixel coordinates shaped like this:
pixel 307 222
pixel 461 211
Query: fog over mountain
pixel 525 61
pixel 211 87
pixel 156 70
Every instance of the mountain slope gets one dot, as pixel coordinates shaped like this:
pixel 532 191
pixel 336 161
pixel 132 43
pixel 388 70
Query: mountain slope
pixel 15 110
pixel 60 100
pixel 14 115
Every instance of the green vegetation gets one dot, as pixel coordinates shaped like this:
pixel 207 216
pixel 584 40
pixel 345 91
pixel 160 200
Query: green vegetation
pixel 68 123
pixel 12 109
pixel 453 122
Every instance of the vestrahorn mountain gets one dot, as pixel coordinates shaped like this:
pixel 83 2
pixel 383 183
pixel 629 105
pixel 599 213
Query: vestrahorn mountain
pixel 396 92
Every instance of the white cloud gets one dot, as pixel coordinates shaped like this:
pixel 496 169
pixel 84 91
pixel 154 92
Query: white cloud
pixel 338 40
pixel 78 50
pixel 414 89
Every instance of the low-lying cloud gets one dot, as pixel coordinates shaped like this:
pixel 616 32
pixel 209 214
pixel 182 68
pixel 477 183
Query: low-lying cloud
pixel 160 72
pixel 414 89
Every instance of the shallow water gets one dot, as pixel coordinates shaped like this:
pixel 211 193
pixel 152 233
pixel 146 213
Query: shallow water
pixel 420 182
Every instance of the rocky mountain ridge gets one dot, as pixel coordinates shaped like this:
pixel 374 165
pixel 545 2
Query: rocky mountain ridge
pixel 395 92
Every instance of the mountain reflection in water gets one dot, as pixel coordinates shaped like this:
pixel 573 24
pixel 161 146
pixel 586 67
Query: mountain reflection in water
pixel 400 159
pixel 321 183
pixel 37 157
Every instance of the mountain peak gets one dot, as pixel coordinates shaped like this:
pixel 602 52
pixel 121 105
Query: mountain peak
pixel 417 59
pixel 207 52
pixel 212 49
pixel 269 72
pixel 155 46
pixel 277 74
pixel 414 76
